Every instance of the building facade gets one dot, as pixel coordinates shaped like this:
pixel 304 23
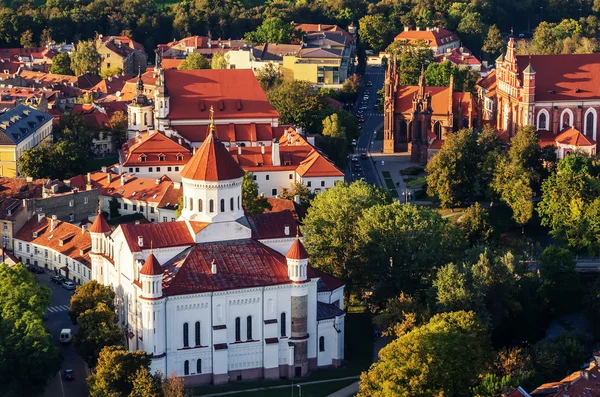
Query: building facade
pixel 121 52
pixel 438 39
pixel 208 298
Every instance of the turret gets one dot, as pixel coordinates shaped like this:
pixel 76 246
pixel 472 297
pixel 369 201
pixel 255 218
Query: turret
pixel 297 261
pixel 161 96
pixel 151 278
pixel 98 231
pixel 139 110
pixel 529 84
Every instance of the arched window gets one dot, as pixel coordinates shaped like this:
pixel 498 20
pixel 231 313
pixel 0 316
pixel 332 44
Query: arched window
pixel 322 344
pixel 199 366
pixel 199 205
pixel 198 333
pixel 238 326
pixel 437 129
pixel 249 328
pixel 566 118
pixel 542 121
pixel 134 119
pixel 211 206
pixel 231 204
pixel 191 207
pixel 186 341
pixel 589 128
pixel 283 324
pixel 222 205
pixel 145 118
pixel 186 367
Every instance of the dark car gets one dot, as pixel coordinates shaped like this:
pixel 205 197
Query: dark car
pixel 36 269
pixel 69 374
pixel 57 279
pixel 363 156
pixel 357 168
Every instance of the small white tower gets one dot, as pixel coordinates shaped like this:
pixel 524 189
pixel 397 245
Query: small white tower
pixel 161 96
pixel 151 278
pixel 139 111
pixel 297 261
pixel 212 183
pixel 98 233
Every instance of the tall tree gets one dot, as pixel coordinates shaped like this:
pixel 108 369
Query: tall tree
pixel 88 296
pixel 332 127
pixel 411 365
pixel 268 76
pixel 493 44
pixel 28 354
pixel 61 64
pixel 375 31
pixel 558 274
pixel 474 222
pixel 298 190
pixel 113 374
pixel 350 89
pixel 298 102
pixel 97 329
pixel 173 386
pixel 194 61
pixel 272 30
pixel 219 60
pixel 145 384
pixel 252 202
pixel 410 59
pixel 85 58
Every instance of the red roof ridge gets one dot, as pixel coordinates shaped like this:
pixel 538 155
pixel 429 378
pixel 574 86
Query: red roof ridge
pixel 574 137
pixel 151 267
pixel 99 225
pixel 297 250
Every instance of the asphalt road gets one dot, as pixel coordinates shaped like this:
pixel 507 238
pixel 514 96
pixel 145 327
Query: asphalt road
pixel 373 119
pixel 57 319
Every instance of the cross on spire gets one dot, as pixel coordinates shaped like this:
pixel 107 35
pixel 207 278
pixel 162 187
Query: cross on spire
pixel 211 120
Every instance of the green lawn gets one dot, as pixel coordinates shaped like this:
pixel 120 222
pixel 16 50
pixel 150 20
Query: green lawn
pixel 386 174
pixel 412 182
pixel 318 390
pixel 358 357
pixel 96 164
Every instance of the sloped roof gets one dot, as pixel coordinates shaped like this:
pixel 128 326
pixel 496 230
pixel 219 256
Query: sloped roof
pixel 272 225
pixel 212 162
pixel 19 123
pixel 231 132
pixel 151 267
pixel 297 251
pixel 99 225
pixel 152 145
pixel 573 137
pixel 327 311
pixel 157 235
pixel 322 27
pixel 439 100
pixel 435 37
pixel 111 85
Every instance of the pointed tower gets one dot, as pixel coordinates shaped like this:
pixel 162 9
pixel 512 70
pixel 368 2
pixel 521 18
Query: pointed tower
pixel 212 182
pixel 139 110
pixel 152 301
pixel 297 261
pixel 100 246
pixel 389 141
pixel 161 96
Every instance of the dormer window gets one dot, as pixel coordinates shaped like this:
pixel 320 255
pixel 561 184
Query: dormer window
pixel 143 157
pixel 179 157
pixel 161 157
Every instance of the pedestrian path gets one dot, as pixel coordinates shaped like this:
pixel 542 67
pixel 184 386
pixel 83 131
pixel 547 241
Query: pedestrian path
pixel 60 308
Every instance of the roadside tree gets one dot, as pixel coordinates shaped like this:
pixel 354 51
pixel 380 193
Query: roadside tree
pixel 97 329
pixel 88 296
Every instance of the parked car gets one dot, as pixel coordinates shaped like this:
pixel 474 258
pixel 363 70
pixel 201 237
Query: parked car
pixel 36 269
pixel 354 142
pixel 363 156
pixel 65 335
pixel 68 285
pixel 357 168
pixel 369 83
pixel 58 279
pixel 69 374
pixel 354 159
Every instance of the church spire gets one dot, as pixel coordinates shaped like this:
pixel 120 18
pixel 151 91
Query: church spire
pixel 422 82
pixel 140 83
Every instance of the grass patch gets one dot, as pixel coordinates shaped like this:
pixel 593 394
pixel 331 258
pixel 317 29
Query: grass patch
pixel 125 219
pixel 414 170
pixel 359 354
pixel 394 193
pixel 390 184
pixel 386 174
pixel 96 164
pixel 416 181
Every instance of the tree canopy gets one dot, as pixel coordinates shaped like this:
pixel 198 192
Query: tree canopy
pixel 252 201
pixel 61 64
pixel 194 61
pixel 113 376
pixel 88 296
pixel 85 58
pixel 219 60
pixel 272 30
pixel 97 329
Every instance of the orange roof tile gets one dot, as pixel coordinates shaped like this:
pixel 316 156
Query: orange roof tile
pixel 111 85
pixel 149 148
pixel 212 162
pixel 151 267
pixel 156 235
pixel 231 132
pixel 99 225
pixel 435 37
pixel 571 136
pixel 297 251
pixel 321 27
pixel 439 100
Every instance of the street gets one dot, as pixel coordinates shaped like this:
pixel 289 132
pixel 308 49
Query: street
pixel 57 319
pixel 373 120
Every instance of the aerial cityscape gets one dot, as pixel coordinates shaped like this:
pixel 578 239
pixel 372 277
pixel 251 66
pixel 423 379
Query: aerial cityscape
pixel 308 198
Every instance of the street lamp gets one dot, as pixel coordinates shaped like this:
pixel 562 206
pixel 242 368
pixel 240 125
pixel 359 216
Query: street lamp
pixel 300 387
pixel 407 195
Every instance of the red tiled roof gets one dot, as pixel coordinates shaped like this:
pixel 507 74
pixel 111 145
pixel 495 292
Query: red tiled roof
pixel 327 282
pixel 570 76
pixel 571 136
pixel 151 146
pixel 66 238
pixel 272 225
pixel 41 79
pixel 171 63
pixel 20 188
pixel 92 116
pixel 458 57
pixel 435 37
pixel 278 205
pixel 111 85
pixel 212 162
pixel 151 267
pixel 439 100
pixel 297 251
pixel 489 81
pixel 99 225
pixel 231 132
pixel 240 264
pixel 518 392
pixel 437 144
pixel 321 27
pixel 157 235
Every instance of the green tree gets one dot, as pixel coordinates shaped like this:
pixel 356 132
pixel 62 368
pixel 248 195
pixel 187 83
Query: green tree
pixel 252 202
pixel 194 61
pixel 26 346
pixel 146 385
pixel 173 386
pixel 61 64
pixel 350 89
pixel 410 365
pixel 113 374
pixel 557 268
pixel 113 208
pixel 438 74
pixel 118 128
pixel 452 172
pixel 330 228
pixel 400 315
pixel 474 222
pixel 85 58
pixel 110 72
pixel 375 31
pixel 332 127
pixel 87 297
pixel 272 30
pixel 27 39
pixel 97 329
pixel 298 102
pixel 493 44
pixel 268 76
pixel 553 358
pixel 410 60
pixel 219 60
pixel 299 190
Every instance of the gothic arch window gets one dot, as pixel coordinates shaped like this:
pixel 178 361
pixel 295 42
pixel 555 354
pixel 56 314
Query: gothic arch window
pixel 145 118
pixel 542 120
pixel 197 329
pixel 283 325
pixel 186 367
pixel 199 366
pixel 249 328
pixel 222 205
pixel 211 206
pixel 186 339
pixel 191 206
pixel 200 205
pixel 238 326
pixel 231 204
pixel 566 119
pixel 437 129
pixel 321 343
pixel 591 118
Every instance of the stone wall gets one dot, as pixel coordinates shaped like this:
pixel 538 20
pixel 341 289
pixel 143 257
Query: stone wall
pixel 69 207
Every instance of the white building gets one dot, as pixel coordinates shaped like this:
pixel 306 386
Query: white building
pixel 259 56
pixel 212 299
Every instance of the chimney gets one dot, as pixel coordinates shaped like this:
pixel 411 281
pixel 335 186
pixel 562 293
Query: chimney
pixel 177 185
pixel 179 140
pixel 406 28
pixel 319 27
pixel 109 177
pixel 104 169
pixel 122 179
pixel 89 181
pixel 239 150
pixel 275 159
pixel 262 149
pixel 40 217
pixel 158 181
pixel 286 230
pixel 84 228
pixel 213 267
pixel 53 223
pixel 418 28
pixel 141 241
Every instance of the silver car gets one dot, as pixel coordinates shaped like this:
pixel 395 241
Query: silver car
pixel 69 285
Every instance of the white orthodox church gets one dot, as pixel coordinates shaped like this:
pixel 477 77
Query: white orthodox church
pixel 212 299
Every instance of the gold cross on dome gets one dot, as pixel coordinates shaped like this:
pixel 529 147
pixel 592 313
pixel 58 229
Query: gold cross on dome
pixel 211 119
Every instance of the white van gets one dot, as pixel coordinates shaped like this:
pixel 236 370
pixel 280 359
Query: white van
pixel 65 335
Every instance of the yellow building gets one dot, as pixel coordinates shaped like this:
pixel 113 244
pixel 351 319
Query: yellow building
pixel 21 128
